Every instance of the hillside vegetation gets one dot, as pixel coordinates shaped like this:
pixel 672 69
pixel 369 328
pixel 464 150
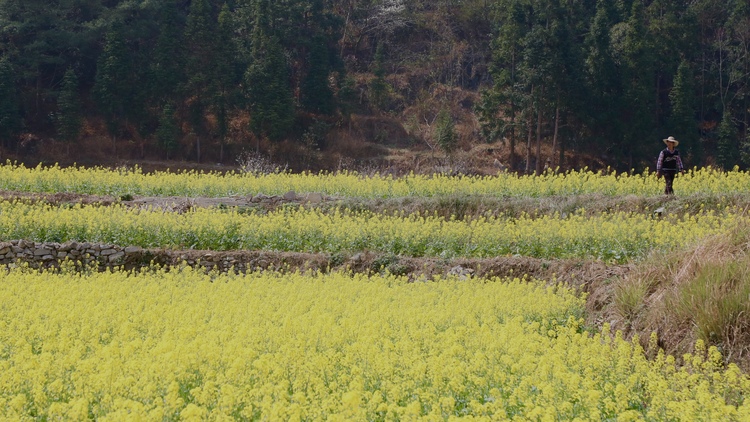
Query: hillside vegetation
pixel 376 84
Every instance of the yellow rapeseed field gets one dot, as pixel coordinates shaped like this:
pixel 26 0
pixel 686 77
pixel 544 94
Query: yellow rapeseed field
pixel 348 184
pixel 184 345
pixel 615 236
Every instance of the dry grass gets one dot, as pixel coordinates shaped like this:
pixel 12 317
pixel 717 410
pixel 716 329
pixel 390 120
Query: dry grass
pixel 700 292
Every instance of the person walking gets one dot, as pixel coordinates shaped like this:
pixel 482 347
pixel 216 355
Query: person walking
pixel 669 163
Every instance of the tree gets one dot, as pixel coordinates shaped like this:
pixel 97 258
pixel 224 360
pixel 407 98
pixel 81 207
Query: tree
pixel 167 64
pixel 378 86
pixel 224 77
pixel 69 118
pixel 501 105
pixel 201 84
pixel 565 75
pixel 268 90
pixel 445 133
pixel 346 98
pixel 44 38
pixel 603 79
pixel 113 88
pixel 682 123
pixel 168 131
pixel 727 153
pixel 317 96
pixel 638 76
pixel 10 117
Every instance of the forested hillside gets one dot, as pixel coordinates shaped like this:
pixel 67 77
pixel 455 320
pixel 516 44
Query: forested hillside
pixel 323 83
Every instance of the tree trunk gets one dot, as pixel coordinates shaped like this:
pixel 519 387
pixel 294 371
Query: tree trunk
pixel 343 36
pixel 561 161
pixel 528 146
pixel 198 147
pixel 538 166
pixel 512 155
pixel 554 135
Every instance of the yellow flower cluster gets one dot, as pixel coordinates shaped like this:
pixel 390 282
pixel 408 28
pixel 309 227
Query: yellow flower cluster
pixel 191 183
pixel 184 345
pixel 616 236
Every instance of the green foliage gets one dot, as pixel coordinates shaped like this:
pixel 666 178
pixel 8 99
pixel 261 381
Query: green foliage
pixel 201 38
pixel 603 81
pixel 445 133
pixel 10 117
pixel 113 88
pixel 727 153
pixel 316 89
pixel 226 80
pixel 347 96
pixel 268 90
pixel 682 121
pixel 502 103
pixel 167 64
pixel 168 131
pixel 378 93
pixel 593 70
pixel 638 69
pixel 69 119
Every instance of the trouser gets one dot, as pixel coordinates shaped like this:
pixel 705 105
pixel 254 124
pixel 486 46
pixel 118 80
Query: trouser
pixel 668 180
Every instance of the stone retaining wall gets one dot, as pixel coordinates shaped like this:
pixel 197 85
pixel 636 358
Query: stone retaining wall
pixel 42 253
pixel 51 254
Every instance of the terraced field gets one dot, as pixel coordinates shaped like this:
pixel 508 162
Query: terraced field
pixel 172 296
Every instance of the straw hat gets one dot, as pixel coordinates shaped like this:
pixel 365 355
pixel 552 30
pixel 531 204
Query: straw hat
pixel 671 139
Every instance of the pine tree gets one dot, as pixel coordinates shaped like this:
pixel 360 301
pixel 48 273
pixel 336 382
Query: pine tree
pixel 201 85
pixel 167 64
pixel 113 87
pixel 565 73
pixel 603 79
pixel 378 86
pixel 69 118
pixel 500 111
pixel 682 123
pixel 224 76
pixel 10 117
pixel 317 96
pixel 201 38
pixel 445 133
pixel 726 153
pixel 346 98
pixel 638 75
pixel 268 90
pixel 168 131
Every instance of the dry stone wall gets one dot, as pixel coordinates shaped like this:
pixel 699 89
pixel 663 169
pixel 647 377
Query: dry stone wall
pixel 39 254
pixel 103 256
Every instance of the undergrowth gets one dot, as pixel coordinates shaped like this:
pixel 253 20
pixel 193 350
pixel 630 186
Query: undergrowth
pixel 700 292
